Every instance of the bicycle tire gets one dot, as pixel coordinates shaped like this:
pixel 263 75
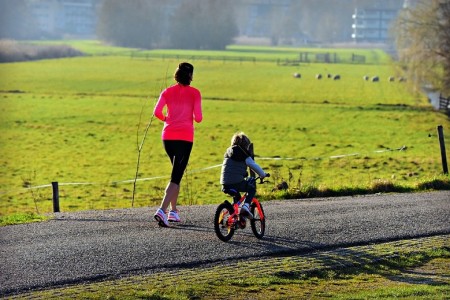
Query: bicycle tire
pixel 223 231
pixel 257 224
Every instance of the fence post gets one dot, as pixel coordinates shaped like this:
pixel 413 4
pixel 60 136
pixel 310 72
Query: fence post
pixel 55 189
pixel 442 144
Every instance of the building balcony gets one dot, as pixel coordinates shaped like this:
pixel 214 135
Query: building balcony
pixel 369 26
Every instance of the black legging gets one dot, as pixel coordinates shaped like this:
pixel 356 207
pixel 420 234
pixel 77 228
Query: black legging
pixel 178 152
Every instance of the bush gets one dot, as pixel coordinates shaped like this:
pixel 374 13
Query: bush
pixel 435 184
pixel 12 51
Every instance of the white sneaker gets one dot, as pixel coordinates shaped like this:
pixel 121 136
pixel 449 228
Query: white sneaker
pixel 173 216
pixel 245 211
pixel 161 218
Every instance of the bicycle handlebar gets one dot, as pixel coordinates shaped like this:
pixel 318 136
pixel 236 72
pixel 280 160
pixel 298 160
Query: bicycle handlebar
pixel 261 180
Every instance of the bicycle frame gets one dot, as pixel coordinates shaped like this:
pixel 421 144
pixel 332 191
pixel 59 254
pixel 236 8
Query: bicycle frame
pixel 234 217
pixel 228 218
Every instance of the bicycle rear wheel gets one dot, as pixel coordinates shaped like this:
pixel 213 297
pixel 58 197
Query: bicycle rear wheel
pixel 224 230
pixel 258 223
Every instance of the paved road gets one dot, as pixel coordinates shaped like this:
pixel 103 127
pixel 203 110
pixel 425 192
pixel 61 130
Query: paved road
pixel 90 245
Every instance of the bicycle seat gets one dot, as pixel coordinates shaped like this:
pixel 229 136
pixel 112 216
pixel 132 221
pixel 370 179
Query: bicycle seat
pixel 232 192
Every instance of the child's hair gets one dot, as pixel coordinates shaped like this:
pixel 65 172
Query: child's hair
pixel 240 139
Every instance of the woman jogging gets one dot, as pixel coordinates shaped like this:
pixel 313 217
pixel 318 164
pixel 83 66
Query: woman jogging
pixel 184 106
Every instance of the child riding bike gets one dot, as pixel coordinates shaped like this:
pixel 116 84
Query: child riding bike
pixel 233 176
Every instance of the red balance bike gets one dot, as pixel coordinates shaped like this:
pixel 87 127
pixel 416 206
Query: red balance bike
pixel 227 218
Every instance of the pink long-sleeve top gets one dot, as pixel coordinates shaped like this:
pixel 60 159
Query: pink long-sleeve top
pixel 184 106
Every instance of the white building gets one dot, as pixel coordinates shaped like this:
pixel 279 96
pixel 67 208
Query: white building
pixel 372 25
pixel 65 17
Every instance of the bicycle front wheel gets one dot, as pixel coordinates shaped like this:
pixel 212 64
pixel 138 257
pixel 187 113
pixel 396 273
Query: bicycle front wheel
pixel 224 229
pixel 258 223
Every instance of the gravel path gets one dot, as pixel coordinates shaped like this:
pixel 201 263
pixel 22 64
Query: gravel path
pixel 92 245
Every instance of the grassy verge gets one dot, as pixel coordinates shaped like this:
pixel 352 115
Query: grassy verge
pixel 377 186
pixel 21 218
pixel 409 269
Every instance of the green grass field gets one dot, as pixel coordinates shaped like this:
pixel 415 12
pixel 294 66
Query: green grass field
pixel 78 121
pixel 374 56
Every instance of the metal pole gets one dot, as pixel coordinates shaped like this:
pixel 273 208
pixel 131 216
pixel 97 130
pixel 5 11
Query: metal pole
pixel 55 189
pixel 442 144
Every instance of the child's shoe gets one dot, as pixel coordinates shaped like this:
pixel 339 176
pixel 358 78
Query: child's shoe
pixel 173 216
pixel 161 218
pixel 245 211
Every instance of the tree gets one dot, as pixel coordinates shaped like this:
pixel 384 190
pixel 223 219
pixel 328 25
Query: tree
pixel 203 24
pixel 130 23
pixel 423 43
pixel 193 24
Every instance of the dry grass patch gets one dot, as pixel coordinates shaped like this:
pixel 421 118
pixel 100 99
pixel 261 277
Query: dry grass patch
pixel 12 51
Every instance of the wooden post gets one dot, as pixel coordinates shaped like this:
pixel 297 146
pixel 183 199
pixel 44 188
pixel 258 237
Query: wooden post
pixel 55 189
pixel 442 144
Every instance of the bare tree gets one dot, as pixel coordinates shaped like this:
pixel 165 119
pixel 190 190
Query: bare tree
pixel 423 43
